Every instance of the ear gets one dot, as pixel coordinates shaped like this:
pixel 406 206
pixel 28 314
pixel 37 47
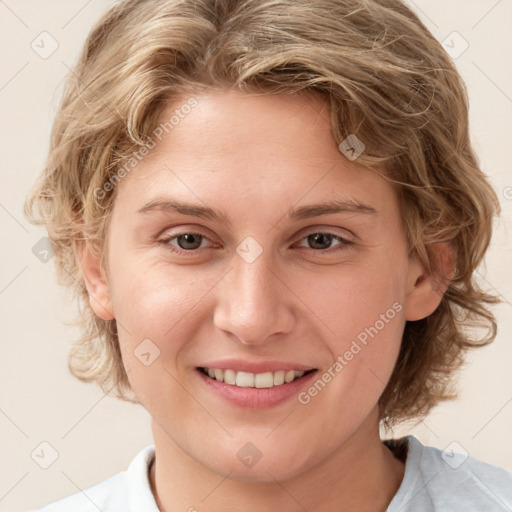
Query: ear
pixel 427 286
pixel 95 280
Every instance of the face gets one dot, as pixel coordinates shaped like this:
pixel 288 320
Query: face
pixel 247 244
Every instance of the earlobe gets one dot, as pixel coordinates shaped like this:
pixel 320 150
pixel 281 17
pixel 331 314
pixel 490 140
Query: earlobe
pixel 428 286
pixel 95 281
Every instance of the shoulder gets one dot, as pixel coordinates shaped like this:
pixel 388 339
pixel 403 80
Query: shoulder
pixel 437 480
pixel 119 492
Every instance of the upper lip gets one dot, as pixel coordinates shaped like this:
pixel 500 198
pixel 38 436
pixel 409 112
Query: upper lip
pixel 240 365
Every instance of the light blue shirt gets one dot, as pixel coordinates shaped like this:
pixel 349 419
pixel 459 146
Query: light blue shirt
pixel 434 481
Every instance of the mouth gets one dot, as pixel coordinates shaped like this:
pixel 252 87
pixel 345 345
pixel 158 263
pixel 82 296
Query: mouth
pixel 263 380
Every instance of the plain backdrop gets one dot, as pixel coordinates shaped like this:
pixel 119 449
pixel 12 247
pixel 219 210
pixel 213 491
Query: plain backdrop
pixel 92 436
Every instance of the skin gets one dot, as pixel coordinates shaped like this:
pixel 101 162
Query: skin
pixel 255 157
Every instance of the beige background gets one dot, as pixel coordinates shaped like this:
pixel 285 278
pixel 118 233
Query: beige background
pixel 96 436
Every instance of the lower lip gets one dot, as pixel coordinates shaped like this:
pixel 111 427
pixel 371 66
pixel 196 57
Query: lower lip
pixel 256 398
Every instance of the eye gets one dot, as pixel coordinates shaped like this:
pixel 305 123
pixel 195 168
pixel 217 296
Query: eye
pixel 321 241
pixel 187 243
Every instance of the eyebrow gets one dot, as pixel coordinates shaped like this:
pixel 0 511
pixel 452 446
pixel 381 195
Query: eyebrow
pixel 294 213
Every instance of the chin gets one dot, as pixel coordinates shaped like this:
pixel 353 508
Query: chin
pixel 252 465
pixel 260 473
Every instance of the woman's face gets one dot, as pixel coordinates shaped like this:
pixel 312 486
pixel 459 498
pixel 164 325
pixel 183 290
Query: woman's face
pixel 247 244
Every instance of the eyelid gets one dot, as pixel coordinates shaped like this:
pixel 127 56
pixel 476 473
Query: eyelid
pixel 343 242
pixel 332 230
pixel 346 234
pixel 172 236
pixel 174 231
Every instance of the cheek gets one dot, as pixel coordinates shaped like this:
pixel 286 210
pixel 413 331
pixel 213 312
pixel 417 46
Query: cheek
pixel 362 308
pixel 160 309
pixel 366 316
pixel 355 298
pixel 154 311
pixel 150 299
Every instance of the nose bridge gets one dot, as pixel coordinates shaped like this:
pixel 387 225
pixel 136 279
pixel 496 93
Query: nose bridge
pixel 253 301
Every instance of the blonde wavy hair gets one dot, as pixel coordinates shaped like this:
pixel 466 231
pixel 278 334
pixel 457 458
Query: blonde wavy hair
pixel 386 79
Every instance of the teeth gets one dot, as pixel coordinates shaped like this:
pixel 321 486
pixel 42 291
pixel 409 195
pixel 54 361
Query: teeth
pixel 253 380
pixel 278 378
pixel 264 380
pixel 229 377
pixel 289 376
pixel 245 379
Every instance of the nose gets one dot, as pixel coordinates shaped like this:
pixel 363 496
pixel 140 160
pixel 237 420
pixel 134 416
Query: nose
pixel 254 303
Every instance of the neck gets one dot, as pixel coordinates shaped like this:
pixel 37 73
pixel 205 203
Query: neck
pixel 362 475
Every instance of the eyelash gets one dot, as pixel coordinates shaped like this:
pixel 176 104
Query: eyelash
pixel 193 252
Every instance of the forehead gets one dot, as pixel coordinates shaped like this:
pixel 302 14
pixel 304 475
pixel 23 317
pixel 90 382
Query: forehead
pixel 251 150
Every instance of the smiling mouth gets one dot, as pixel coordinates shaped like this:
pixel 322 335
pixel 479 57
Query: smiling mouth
pixel 255 380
